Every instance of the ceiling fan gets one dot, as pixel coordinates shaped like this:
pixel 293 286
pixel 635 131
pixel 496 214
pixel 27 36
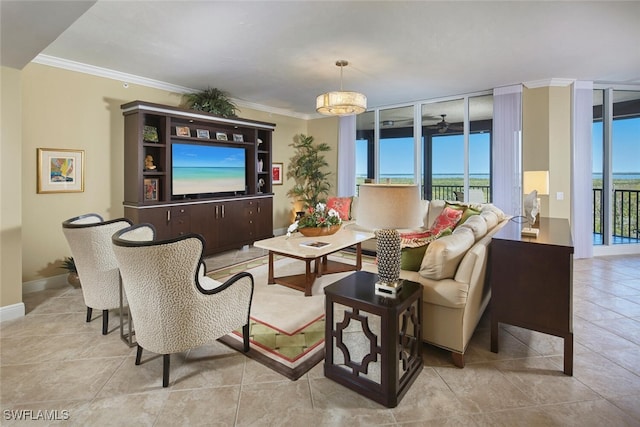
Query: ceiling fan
pixel 443 126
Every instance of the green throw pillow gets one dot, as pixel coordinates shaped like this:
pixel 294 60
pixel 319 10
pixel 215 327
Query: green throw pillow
pixel 411 258
pixel 467 213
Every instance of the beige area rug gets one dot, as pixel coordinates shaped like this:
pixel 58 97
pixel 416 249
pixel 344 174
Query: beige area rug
pixel 286 328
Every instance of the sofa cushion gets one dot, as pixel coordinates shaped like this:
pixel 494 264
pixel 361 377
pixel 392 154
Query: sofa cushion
pixel 443 255
pixel 490 218
pixel 476 224
pixel 342 205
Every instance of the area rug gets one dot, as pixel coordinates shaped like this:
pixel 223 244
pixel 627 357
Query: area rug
pixel 286 328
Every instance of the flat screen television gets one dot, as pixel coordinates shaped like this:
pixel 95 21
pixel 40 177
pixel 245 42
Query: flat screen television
pixel 206 169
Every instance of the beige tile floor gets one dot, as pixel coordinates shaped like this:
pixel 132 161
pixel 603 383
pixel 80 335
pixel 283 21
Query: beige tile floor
pixel 52 360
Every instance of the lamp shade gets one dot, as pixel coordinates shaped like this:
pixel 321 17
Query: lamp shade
pixel 341 103
pixel 389 206
pixel 536 180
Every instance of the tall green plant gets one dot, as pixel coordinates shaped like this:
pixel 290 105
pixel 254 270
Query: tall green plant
pixel 307 169
pixel 211 100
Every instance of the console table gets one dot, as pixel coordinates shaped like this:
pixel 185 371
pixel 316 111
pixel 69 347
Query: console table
pixel 374 347
pixel 532 282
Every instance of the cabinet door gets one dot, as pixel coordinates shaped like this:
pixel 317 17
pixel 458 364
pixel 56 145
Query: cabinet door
pixel 203 222
pixel 231 232
pixel 160 218
pixel 263 219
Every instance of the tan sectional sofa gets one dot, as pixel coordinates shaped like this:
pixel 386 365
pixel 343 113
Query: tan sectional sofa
pixel 453 275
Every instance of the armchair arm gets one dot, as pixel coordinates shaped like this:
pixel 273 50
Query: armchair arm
pixel 229 282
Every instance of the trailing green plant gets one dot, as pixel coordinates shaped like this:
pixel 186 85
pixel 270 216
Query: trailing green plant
pixel 70 265
pixel 307 169
pixel 211 100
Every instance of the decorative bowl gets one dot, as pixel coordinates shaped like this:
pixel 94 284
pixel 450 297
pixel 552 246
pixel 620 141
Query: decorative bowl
pixel 319 231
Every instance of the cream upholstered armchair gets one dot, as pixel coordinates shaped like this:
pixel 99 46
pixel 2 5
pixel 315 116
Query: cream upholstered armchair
pixel 175 307
pixel 89 238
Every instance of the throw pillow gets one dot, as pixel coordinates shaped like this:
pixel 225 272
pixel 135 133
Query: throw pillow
pixel 342 205
pixel 448 218
pixel 413 248
pixel 468 212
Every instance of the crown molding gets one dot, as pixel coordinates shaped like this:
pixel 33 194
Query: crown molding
pixel 79 67
pixel 552 82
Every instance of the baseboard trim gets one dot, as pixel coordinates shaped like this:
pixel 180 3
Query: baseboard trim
pixel 13 311
pixel 53 282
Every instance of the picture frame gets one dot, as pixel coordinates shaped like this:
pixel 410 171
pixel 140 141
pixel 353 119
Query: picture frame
pixel 150 134
pixel 183 131
pixel 238 137
pixel 60 170
pixel 221 136
pixel 202 133
pixel 277 170
pixel 150 189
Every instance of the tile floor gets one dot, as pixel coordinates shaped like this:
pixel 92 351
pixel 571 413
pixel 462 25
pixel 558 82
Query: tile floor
pixel 52 360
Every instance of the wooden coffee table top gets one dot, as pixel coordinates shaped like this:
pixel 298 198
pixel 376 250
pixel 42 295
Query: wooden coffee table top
pixel 292 245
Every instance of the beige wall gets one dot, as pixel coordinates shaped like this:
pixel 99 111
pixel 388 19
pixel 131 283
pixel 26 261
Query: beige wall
pixel 10 195
pixel 546 143
pixel 65 109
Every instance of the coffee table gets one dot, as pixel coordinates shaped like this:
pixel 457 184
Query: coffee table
pixel 292 247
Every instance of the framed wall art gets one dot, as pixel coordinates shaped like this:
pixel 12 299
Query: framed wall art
pixel 238 137
pixel 60 170
pixel 221 136
pixel 277 169
pixel 150 189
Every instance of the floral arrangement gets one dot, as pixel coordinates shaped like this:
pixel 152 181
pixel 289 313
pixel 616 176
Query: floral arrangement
pixel 319 216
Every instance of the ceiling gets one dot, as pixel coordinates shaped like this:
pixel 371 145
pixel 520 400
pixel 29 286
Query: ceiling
pixel 281 54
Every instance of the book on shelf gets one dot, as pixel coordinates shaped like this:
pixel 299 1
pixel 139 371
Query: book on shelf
pixel 314 244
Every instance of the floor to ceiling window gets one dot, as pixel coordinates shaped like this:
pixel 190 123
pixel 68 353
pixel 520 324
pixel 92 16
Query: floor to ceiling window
pixel 447 161
pixel 616 166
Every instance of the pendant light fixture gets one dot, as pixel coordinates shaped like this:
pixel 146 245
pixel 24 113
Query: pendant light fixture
pixel 342 103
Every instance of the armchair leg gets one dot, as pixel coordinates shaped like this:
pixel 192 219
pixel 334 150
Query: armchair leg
pixel 165 370
pixel 89 310
pixel 245 337
pixel 458 359
pixel 138 354
pixel 105 321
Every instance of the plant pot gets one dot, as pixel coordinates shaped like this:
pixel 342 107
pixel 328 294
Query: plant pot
pixel 319 231
pixel 73 279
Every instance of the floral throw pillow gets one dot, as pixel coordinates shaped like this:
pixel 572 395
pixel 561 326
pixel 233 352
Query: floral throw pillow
pixel 448 218
pixel 342 205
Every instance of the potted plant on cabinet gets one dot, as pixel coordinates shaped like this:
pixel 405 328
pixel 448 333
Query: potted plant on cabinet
pixel 72 278
pixel 211 100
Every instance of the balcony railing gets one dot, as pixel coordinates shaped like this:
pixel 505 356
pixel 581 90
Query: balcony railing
pixel 626 218
pixel 448 192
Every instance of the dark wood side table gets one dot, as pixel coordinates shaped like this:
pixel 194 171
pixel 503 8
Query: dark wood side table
pixel 375 347
pixel 532 282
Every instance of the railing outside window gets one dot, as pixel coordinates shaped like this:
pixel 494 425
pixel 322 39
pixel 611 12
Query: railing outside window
pixel 626 218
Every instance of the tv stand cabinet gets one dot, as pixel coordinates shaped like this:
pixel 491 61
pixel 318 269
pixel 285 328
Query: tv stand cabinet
pixel 225 221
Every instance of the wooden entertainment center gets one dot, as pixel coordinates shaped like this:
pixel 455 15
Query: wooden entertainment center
pixel 227 212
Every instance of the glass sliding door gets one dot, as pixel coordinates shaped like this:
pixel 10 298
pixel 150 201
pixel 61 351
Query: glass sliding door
pixel 480 136
pixel 397 159
pixel 616 166
pixel 444 152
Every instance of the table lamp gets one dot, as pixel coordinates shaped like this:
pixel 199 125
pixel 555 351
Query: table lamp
pixel 534 183
pixel 385 208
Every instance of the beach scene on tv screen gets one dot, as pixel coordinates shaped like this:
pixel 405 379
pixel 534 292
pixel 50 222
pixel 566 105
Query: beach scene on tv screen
pixel 200 169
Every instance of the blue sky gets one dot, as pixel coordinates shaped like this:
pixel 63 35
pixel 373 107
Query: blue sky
pixel 397 155
pixel 626 146
pixel 194 155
